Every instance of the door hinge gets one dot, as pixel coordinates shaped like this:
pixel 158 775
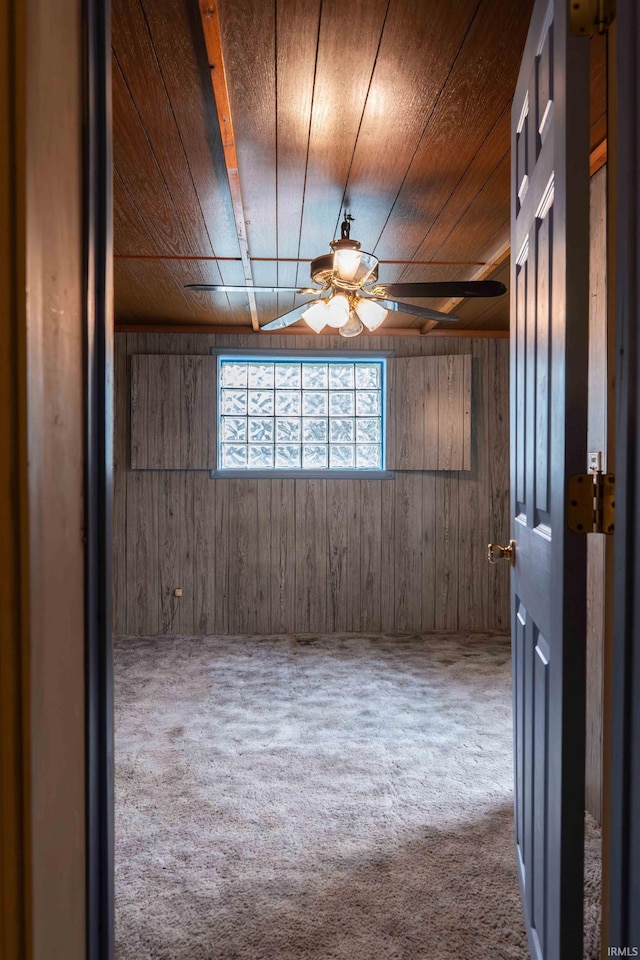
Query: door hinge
pixel 590 17
pixel 591 504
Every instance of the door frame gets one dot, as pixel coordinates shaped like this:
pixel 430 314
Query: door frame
pixel 98 478
pixel 624 782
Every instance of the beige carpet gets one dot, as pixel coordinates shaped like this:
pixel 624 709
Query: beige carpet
pixel 318 798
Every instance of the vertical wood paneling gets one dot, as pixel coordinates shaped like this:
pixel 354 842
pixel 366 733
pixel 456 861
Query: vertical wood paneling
pixel 282 572
pixel 387 556
pixel 169 551
pixel 353 557
pixel 370 566
pixel 429 552
pixel 206 538
pixel 263 558
pixel 198 413
pixel 499 473
pixel 447 554
pixel 120 471
pixel 139 412
pixel 219 506
pixel 472 533
pixel 311 555
pixel 408 550
pixel 284 555
pixel 187 566
pixel 337 554
pixel 430 413
pixel 242 557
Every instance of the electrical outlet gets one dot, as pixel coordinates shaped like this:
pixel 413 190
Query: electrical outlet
pixel 177 592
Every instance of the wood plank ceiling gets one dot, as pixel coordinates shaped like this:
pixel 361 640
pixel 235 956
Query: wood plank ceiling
pixel 396 111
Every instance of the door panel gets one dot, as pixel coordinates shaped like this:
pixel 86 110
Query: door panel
pixel 550 231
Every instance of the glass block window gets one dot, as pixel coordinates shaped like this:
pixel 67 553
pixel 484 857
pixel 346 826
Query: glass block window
pixel 300 414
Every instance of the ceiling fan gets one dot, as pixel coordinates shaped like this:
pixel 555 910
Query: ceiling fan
pixel 348 297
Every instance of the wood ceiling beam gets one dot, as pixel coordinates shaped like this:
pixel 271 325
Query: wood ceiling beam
pixel 407 263
pixel 211 328
pixel 213 43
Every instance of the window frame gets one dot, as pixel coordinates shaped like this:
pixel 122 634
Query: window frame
pixel 248 354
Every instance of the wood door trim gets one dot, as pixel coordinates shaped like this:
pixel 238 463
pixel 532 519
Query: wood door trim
pixel 15 830
pixel 623 798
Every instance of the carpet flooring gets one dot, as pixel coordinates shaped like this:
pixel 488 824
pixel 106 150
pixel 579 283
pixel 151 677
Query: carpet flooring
pixel 318 798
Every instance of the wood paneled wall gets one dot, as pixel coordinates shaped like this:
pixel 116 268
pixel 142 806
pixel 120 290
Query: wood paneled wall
pixel 307 556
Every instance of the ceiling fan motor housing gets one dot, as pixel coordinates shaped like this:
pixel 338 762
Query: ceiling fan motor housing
pixel 324 272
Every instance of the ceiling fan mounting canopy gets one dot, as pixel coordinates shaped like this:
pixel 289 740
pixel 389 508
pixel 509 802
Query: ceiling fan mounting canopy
pixel 348 297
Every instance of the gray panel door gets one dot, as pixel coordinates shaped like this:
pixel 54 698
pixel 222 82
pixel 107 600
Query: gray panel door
pixel 549 247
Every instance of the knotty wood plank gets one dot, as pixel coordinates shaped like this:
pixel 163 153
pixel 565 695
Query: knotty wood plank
pixel 338 555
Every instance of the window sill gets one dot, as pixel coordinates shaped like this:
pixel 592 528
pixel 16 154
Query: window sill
pixel 302 474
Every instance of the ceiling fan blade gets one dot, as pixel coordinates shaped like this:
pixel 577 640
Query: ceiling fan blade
pixel 425 312
pixel 286 319
pixel 226 288
pixel 446 288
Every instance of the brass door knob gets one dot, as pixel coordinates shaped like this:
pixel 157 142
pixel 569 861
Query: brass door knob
pixel 496 552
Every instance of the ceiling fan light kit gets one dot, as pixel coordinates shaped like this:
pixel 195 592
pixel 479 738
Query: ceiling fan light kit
pixel 348 298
